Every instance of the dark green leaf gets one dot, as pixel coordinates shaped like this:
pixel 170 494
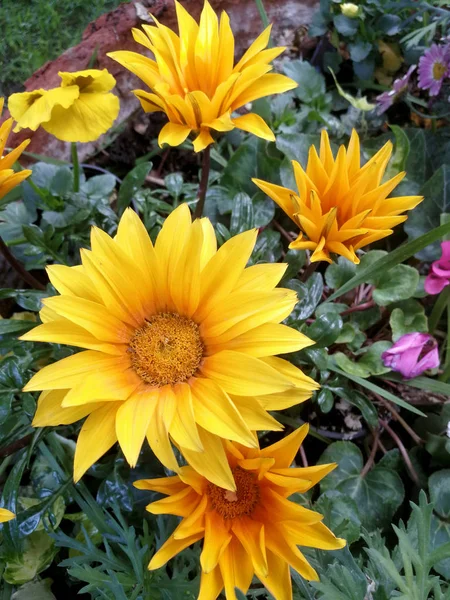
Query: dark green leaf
pixel 309 294
pixel 241 214
pixel 325 330
pixel 345 25
pixel 133 182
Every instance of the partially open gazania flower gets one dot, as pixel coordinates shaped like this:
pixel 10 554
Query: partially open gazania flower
pixel 194 80
pixel 254 530
pixel 80 110
pixel 180 340
pixel 8 177
pixel 340 205
pixel 6 515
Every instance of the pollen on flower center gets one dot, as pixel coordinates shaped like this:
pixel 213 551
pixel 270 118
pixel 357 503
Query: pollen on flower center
pixel 439 70
pixel 168 349
pixel 241 502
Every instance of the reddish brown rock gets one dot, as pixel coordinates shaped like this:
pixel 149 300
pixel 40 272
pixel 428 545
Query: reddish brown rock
pixel 112 31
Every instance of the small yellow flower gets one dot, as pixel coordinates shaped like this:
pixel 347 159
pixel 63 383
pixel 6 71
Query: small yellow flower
pixel 8 178
pixel 350 10
pixel 180 341
pixel 195 82
pixel 341 206
pixel 6 515
pixel 80 110
pixel 254 530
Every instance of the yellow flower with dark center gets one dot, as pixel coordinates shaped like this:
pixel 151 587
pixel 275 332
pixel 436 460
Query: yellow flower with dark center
pixel 80 110
pixel 8 177
pixel 180 341
pixel 252 530
pixel 194 79
pixel 6 515
pixel 340 205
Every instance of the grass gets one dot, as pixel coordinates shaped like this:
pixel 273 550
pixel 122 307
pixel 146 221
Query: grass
pixel 35 31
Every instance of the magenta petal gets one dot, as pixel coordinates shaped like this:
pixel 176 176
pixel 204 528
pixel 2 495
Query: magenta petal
pixel 434 284
pixel 429 361
pixel 406 362
pixel 445 246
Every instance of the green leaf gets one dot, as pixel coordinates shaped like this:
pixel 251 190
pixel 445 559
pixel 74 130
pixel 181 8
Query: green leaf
pixel 38 553
pixel 268 247
pixel 15 326
pixel 340 514
pixel 345 25
pixel 389 24
pixel 309 294
pixel 99 187
pixel 339 273
pixel 37 590
pixel 439 485
pixel 378 390
pixel 240 169
pixel 295 146
pixel 426 216
pixel 311 83
pixel 325 400
pixel 359 50
pixel 371 357
pixel 349 462
pixel 399 283
pixel 408 319
pixel 131 184
pixel 174 183
pixel 325 330
pixel 295 259
pixel 395 257
pixel 263 210
pixel 364 405
pixel 401 152
pixel 358 103
pixel 241 214
pixel 349 366
pixel 440 536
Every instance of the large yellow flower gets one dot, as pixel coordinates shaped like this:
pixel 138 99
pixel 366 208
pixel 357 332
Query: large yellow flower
pixel 341 206
pixel 194 80
pixel 8 178
pixel 254 530
pixel 180 340
pixel 80 110
pixel 6 515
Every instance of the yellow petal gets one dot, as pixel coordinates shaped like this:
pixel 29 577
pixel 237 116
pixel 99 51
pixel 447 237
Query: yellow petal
pixel 251 535
pixel 183 428
pixel 170 548
pixel 313 536
pixel 211 584
pixel 180 504
pixel 217 538
pixel 213 462
pixel 133 420
pixel 90 115
pixel 89 81
pixel 243 375
pixel 253 123
pixel 203 140
pixel 50 412
pixel 286 449
pixel 215 412
pixel 236 569
pixel 278 580
pixel 173 134
pixel 158 439
pixel 32 109
pixel 96 437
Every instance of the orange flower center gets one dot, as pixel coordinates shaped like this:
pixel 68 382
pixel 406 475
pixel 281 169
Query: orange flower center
pixel 439 70
pixel 168 349
pixel 241 502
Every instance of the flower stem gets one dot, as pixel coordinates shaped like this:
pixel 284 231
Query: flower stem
pixel 438 309
pixel 373 452
pixel 203 187
pixel 309 271
pixel 403 451
pixel 19 268
pixel 262 13
pixel 76 167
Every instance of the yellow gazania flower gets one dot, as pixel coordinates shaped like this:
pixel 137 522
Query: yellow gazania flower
pixel 254 530
pixel 194 80
pixel 180 340
pixel 80 110
pixel 341 206
pixel 6 515
pixel 8 178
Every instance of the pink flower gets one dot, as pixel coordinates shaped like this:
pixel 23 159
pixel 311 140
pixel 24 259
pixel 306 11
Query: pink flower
pixel 399 87
pixel 434 68
pixel 412 354
pixel 439 276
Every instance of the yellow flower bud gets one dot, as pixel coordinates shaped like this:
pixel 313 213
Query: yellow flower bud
pixel 350 10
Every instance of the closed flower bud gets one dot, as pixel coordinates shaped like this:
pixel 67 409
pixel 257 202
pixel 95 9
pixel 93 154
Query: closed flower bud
pixel 350 10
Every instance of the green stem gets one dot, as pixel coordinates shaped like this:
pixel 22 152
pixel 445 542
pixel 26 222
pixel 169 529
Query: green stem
pixel 76 167
pixel 438 309
pixel 446 374
pixel 262 13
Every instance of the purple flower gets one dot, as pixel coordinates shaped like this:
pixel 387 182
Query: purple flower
pixel 439 276
pixel 399 87
pixel 412 354
pixel 434 66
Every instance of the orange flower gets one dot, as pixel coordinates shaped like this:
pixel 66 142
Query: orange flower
pixel 254 530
